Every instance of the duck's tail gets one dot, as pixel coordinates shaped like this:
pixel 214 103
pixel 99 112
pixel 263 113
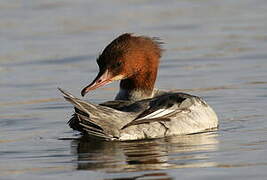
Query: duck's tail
pixel 95 120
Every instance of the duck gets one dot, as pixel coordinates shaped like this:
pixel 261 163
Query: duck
pixel 139 110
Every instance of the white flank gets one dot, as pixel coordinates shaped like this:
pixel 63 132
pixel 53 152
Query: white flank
pixel 157 114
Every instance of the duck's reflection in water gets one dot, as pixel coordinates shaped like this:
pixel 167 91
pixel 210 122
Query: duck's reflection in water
pixel 157 176
pixel 158 154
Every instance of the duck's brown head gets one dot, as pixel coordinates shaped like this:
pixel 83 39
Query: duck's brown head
pixel 132 59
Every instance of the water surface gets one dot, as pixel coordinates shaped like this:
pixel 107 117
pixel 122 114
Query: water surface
pixel 214 49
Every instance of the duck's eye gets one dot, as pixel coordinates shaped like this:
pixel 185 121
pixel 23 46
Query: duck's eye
pixel 117 65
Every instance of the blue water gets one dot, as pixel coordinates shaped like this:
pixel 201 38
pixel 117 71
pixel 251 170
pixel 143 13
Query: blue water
pixel 214 49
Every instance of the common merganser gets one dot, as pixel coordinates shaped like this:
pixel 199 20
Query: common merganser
pixel 139 111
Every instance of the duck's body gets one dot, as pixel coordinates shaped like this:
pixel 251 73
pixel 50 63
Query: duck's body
pixel 139 111
pixel 164 115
